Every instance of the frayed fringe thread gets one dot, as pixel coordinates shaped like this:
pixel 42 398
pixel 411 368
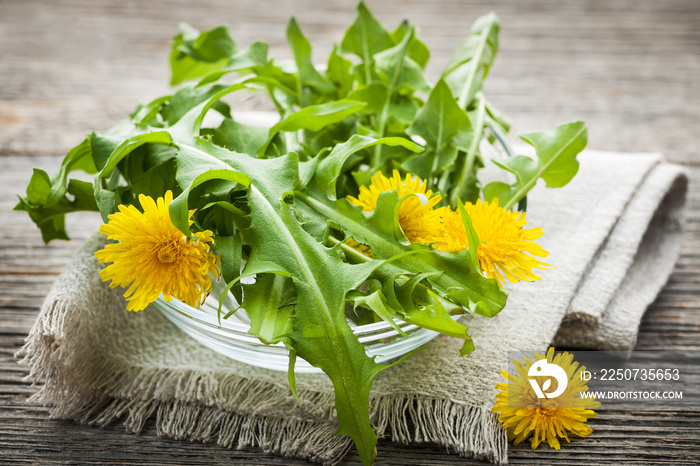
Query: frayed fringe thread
pixel 79 393
pixel 468 431
pixel 196 406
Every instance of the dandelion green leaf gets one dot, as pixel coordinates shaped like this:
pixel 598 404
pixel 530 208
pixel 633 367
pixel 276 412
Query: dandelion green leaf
pixel 301 48
pixel 238 137
pixel 179 207
pixel 339 72
pixel 51 220
pixel 366 36
pixel 398 70
pixel 230 249
pixel 321 333
pixel 331 167
pixel 194 54
pixel 417 50
pixel 376 301
pixel 471 237
pixel 436 318
pixel 79 158
pixel 556 162
pixel 253 57
pixel 373 94
pixel 271 318
pixel 473 59
pixel 316 117
pixel 438 122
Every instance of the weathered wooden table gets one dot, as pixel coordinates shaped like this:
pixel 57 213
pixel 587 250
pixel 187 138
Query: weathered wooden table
pixel 629 68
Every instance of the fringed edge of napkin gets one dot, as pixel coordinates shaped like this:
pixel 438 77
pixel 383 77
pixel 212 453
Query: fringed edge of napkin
pixel 76 392
pixel 77 388
pixel 465 430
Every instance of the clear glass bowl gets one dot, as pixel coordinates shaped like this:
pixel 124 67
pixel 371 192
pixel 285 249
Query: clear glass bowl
pixel 230 337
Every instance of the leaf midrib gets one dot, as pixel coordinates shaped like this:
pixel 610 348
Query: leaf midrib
pixel 470 78
pixel 543 167
pixel 340 349
pixel 385 109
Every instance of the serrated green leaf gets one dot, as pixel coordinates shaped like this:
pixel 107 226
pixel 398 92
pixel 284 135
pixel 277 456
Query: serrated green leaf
pixel 376 301
pixel 314 118
pixel 402 112
pixel 402 77
pixel 211 102
pixel 317 117
pixel 155 180
pixel 365 37
pixel 417 50
pixel 270 319
pixel 194 54
pixel 437 123
pixel 179 208
pixel 556 163
pixel 472 60
pixel 472 237
pixel 330 168
pixel 321 334
pixel 338 71
pixel 436 318
pixel 240 138
pixel 465 185
pixel 253 57
pixel 410 293
pixel 150 114
pixel 128 146
pixel 51 220
pixel 79 158
pixel 398 70
pixel 103 144
pixel 39 187
pixel 440 119
pixel 308 75
pixel 189 97
pixel 230 249
pixel 497 118
pixel 105 200
pixel 373 94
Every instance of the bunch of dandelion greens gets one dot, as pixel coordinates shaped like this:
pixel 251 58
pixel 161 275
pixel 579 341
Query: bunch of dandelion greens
pixel 308 199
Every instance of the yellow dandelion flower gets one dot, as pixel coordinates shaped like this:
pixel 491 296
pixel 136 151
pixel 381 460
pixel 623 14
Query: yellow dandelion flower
pixel 417 218
pixel 152 256
pixel 525 416
pixel 507 250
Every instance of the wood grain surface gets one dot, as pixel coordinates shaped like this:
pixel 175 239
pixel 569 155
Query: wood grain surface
pixel 629 68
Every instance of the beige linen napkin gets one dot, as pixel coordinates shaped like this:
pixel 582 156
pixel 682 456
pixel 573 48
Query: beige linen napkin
pixel 613 235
